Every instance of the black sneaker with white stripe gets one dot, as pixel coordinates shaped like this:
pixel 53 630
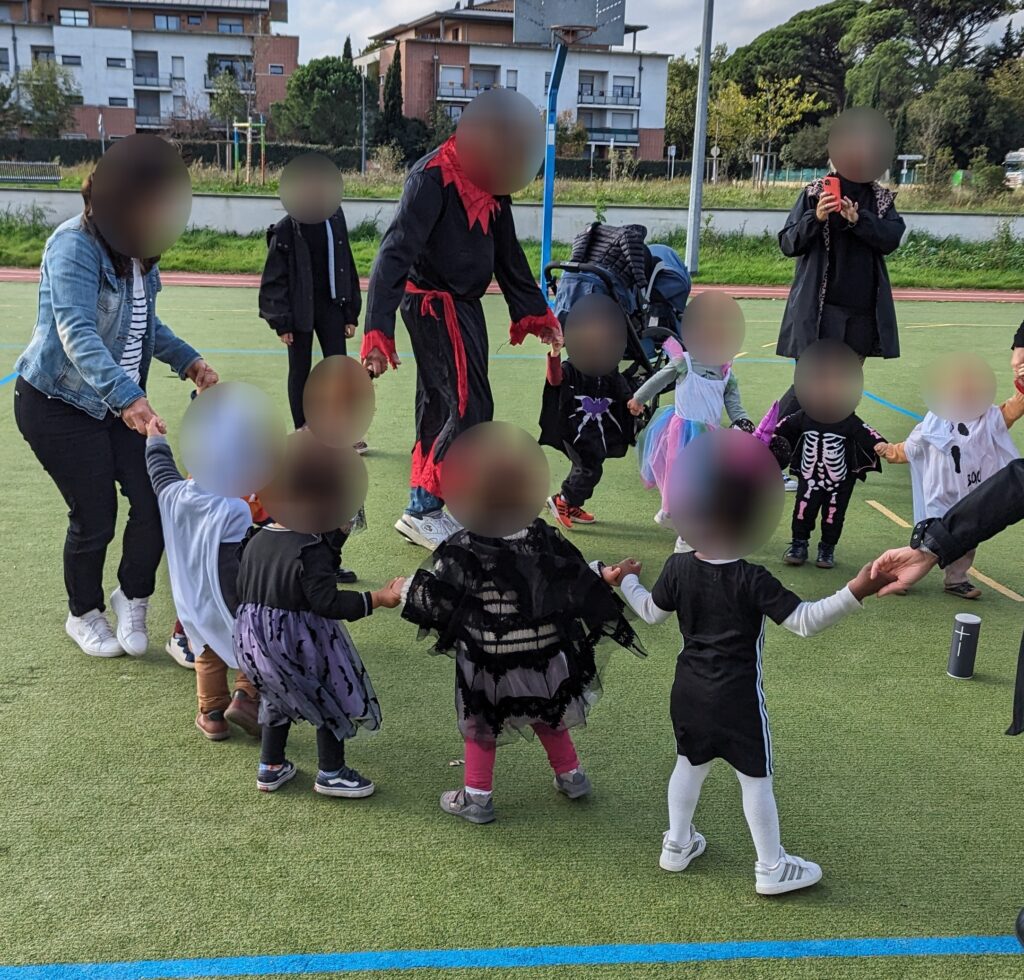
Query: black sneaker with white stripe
pixel 345 782
pixel 790 874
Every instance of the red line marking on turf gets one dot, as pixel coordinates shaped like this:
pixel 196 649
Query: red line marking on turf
pixel 251 280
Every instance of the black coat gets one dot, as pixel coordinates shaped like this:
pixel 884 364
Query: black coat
pixel 286 287
pixel 804 238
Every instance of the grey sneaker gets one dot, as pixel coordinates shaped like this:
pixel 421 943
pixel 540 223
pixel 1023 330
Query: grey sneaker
pixel 677 857
pixel 469 806
pixel 574 784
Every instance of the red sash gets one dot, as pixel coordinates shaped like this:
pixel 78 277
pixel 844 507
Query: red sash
pixel 451 321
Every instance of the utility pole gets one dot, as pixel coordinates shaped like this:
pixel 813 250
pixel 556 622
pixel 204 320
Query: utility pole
pixel 362 126
pixel 700 129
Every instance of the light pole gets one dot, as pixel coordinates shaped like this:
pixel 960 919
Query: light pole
pixel 700 128
pixel 362 125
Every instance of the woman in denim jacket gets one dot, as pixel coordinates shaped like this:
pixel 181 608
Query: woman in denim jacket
pixel 80 403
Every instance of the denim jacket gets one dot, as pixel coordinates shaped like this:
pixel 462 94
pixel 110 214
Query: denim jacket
pixel 85 315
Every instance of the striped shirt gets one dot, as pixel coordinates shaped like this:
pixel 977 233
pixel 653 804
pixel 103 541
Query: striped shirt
pixel 131 356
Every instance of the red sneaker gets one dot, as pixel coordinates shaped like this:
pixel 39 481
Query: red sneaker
pixel 560 510
pixel 580 516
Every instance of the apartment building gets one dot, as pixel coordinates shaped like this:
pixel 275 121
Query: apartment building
pixel 143 65
pixel 449 56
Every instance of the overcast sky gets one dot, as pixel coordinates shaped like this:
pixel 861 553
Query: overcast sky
pixel 674 24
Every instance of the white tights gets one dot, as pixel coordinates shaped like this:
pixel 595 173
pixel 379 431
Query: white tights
pixel 758 807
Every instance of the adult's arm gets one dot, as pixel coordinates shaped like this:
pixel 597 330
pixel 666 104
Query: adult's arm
pixel 72 265
pixel 274 301
pixel 982 514
pixel 403 243
pixel 802 229
pixel 528 309
pixel 170 348
pixel 883 234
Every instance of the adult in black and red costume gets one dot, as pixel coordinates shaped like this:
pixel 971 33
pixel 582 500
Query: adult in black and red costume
pixel 453 232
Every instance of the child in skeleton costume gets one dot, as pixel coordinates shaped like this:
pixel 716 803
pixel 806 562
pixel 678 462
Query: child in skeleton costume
pixel 448 239
pixel 702 392
pixel 827 460
pixel 947 461
pixel 584 411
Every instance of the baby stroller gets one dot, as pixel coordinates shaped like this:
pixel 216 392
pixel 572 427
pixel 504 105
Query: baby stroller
pixel 650 284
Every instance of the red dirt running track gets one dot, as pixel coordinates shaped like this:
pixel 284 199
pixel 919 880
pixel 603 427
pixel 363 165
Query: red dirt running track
pixel 740 292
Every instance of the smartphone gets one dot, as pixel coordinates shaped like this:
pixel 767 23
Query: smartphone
pixel 831 185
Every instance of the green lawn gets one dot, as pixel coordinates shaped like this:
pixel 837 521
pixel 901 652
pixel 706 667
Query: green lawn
pixel 127 836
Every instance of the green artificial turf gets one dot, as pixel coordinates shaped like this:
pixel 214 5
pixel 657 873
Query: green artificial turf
pixel 126 835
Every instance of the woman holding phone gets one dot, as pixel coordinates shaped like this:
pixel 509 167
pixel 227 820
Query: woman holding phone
pixel 839 231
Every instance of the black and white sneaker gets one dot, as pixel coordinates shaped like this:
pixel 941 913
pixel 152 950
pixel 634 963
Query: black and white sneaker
pixel 345 782
pixel 270 779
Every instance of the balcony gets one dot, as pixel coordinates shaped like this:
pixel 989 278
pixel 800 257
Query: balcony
pixel 152 122
pixel 244 84
pixel 604 135
pixel 462 93
pixel 617 98
pixel 151 80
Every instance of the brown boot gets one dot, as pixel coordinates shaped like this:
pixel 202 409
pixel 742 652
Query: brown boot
pixel 213 725
pixel 244 712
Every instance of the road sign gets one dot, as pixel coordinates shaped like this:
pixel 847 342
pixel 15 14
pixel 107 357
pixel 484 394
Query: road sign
pixel 715 151
pixel 672 150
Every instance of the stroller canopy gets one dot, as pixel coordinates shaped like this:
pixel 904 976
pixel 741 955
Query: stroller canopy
pixel 672 283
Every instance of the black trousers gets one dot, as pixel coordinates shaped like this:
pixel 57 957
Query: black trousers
pixel 86 458
pixel 578 487
pixel 329 327
pixel 831 504
pixel 330 750
pixel 857 330
pixel 1017 723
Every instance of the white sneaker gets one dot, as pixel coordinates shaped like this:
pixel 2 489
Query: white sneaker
pixel 682 548
pixel 789 483
pixel 131 622
pixel 663 519
pixel 428 531
pixel 451 524
pixel 93 634
pixel 677 857
pixel 789 875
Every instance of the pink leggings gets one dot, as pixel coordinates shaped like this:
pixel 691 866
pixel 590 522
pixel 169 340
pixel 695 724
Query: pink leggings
pixel 480 758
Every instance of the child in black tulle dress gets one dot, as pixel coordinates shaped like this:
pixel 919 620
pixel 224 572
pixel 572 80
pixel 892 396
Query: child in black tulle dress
pixel 289 641
pixel 522 615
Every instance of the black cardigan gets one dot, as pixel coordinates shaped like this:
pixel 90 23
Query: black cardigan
pixel 286 287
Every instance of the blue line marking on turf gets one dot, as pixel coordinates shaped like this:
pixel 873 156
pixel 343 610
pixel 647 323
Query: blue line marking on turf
pixel 518 956
pixel 895 408
pixel 9 377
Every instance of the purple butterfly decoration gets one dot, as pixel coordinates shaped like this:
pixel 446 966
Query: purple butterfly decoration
pixel 594 406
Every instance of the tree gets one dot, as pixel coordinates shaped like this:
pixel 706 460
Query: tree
pixel 49 93
pixel 346 52
pixel 731 125
pixel 952 115
pixel 227 103
pixel 322 104
pixel 885 77
pixel 808 146
pixel 1009 48
pixel 681 95
pixel 776 106
pixel 440 125
pixel 571 136
pixel 807 45
pixel 1005 112
pixel 391 110
pixel 11 114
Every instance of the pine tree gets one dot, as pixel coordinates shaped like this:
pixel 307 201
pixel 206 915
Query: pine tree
pixel 346 52
pixel 391 116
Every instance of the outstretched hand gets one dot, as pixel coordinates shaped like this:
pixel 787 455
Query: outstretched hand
pixel 863 584
pixel 376 362
pixel 902 567
pixel 390 596
pixel 614 574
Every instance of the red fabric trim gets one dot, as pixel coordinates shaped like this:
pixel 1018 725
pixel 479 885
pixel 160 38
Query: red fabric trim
pixel 426 472
pixel 451 321
pixel 546 327
pixel 382 342
pixel 479 204
pixel 554 370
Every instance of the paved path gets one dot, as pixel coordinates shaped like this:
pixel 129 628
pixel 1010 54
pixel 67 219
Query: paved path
pixel 740 292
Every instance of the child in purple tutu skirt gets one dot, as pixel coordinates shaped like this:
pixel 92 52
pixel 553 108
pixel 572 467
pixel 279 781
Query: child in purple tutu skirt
pixel 291 643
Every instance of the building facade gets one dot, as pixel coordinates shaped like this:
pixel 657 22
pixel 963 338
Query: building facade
pixel 449 57
pixel 148 65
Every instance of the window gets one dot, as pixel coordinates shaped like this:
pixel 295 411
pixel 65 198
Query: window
pixel 453 112
pixel 73 18
pixel 166 22
pixel 74 136
pixel 547 81
pixel 70 59
pixel 43 54
pixel 229 25
pixel 623 120
pixel 179 107
pixel 586 87
pixel 76 100
pixel 277 69
pixel 117 62
pixel 195 20
pixel 456 33
pixel 5 59
pixel 622 86
pixel 451 78
pixel 178 67
pixel 118 101
pixel 512 78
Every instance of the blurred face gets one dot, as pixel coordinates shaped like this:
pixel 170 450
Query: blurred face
pixel 338 401
pixel 494 479
pixel 727 495
pixel 959 387
pixel 141 196
pixel 311 188
pixel 500 141
pixel 713 328
pixel 232 439
pixel 595 335
pixel 861 144
pixel 829 381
